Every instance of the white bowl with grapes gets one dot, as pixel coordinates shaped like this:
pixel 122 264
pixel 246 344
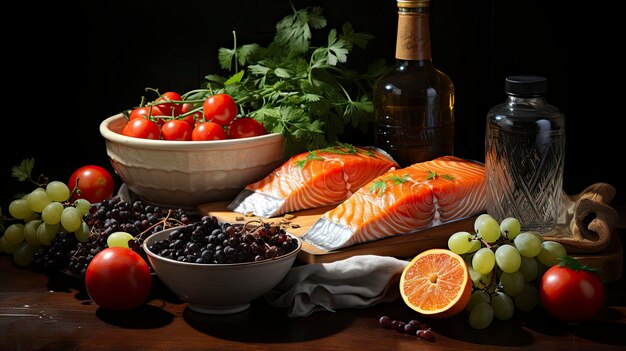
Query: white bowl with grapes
pixel 220 268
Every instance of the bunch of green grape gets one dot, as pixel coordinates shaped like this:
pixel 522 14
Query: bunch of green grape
pixel 505 265
pixel 44 212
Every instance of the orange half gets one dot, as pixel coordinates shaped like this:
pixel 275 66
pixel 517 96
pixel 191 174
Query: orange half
pixel 436 283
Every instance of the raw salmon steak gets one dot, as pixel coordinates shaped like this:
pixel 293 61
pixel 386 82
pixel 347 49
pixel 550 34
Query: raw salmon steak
pixel 403 201
pixel 313 179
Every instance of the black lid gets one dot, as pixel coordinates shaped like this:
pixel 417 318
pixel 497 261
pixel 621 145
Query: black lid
pixel 526 85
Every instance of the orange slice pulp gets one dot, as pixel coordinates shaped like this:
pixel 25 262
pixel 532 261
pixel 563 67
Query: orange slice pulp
pixel 436 283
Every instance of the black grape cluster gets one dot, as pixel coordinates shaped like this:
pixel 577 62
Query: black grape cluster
pixel 66 253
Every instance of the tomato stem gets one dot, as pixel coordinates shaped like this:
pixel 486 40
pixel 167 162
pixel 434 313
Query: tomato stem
pixel 574 264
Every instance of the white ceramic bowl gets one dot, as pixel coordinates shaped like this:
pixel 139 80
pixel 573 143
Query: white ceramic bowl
pixel 187 174
pixel 218 288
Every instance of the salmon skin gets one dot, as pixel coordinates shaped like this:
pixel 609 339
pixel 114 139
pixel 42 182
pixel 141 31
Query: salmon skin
pixel 403 201
pixel 313 179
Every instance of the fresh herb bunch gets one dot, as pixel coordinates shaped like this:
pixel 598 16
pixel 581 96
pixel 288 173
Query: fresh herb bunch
pixel 307 93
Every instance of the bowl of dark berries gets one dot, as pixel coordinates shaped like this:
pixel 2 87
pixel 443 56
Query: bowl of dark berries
pixel 220 268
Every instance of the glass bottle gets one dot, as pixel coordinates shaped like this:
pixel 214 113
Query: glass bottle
pixel 414 102
pixel 524 156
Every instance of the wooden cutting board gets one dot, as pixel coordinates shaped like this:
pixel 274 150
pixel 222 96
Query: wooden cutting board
pixel 401 246
pixel 610 260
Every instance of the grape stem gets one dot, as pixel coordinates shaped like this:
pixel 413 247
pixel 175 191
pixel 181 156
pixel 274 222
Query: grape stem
pixel 165 221
pixel 483 241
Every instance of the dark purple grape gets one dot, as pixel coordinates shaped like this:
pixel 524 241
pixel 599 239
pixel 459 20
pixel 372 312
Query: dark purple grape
pixel 385 322
pixel 425 334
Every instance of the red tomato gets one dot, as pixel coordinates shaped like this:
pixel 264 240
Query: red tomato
pixel 118 279
pixel 193 118
pixel 208 131
pixel 176 129
pixel 220 108
pixel 140 112
pixel 147 112
pixel 571 293
pixel 245 127
pixel 94 183
pixel 169 108
pixel 142 128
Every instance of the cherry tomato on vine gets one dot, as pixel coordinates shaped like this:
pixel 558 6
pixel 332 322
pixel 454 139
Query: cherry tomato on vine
pixel 245 127
pixel 176 129
pixel 193 118
pixel 571 292
pixel 143 111
pixel 94 182
pixel 147 112
pixel 167 107
pixel 220 108
pixel 208 131
pixel 142 128
pixel 118 279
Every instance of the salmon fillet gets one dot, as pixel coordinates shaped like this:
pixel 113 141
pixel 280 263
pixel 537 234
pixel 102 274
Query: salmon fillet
pixel 403 201
pixel 313 179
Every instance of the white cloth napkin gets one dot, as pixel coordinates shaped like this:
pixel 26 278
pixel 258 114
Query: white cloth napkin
pixel 355 282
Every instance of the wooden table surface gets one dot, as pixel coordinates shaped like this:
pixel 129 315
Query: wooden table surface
pixel 38 312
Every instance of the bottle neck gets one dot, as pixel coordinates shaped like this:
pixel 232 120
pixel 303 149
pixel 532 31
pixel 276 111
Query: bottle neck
pixel 413 38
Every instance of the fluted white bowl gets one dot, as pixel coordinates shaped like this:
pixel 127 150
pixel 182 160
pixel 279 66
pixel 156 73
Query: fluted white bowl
pixel 187 174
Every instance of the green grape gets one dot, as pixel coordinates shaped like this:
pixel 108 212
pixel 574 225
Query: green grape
pixel 32 217
pixel 119 239
pixel 14 233
pixel 510 228
pixel 6 246
pixel 51 214
pixel 481 316
pixel 82 205
pixel 37 200
pixel 480 219
pixel 480 281
pixel 528 299
pixel 550 253
pixel 58 191
pixel 489 229
pixel 460 242
pixel 45 233
pixel 502 304
pixel 71 219
pixel 508 258
pixel 30 232
pixel 528 268
pixel 477 297
pixel 82 234
pixel 512 283
pixel 19 209
pixel 476 245
pixel 537 234
pixel 527 244
pixel 483 261
pixel 541 268
pixel 24 254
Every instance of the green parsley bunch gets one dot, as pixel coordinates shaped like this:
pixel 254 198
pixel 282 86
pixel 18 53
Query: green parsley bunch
pixel 309 94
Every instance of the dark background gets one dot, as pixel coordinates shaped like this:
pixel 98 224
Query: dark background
pixel 69 65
